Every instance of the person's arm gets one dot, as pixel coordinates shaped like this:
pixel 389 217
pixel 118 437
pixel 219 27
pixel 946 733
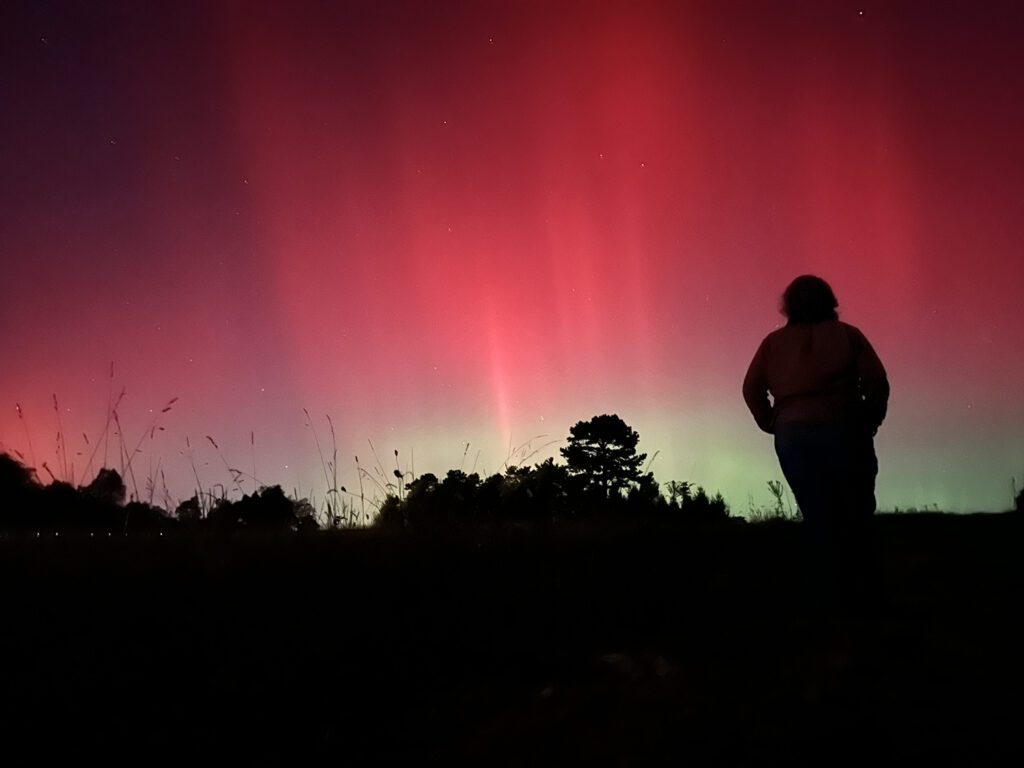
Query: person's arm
pixel 873 383
pixel 755 390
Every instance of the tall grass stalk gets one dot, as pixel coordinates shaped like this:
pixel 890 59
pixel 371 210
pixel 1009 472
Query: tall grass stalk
pixel 252 445
pixel 521 454
pixel 362 492
pixel 319 449
pixel 128 457
pixel 651 461
pixel 28 437
pixel 104 438
pixel 365 473
pixel 111 406
pixel 335 514
pixel 125 462
pixel 151 479
pixel 235 474
pixel 328 467
pixel 62 449
pixel 200 494
pixel 401 474
pixel 379 466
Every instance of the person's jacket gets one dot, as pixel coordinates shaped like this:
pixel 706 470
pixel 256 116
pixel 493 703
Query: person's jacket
pixel 823 372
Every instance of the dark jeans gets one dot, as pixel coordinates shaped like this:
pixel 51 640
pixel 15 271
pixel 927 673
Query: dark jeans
pixel 831 469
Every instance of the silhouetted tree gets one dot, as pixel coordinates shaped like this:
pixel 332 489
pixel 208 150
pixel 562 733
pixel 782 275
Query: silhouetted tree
pixel 457 495
pixel 521 494
pixel 699 506
pixel 305 516
pixel 489 496
pixel 420 503
pixel 514 496
pixel 645 497
pixel 267 509
pixel 528 494
pixel 552 489
pixel 677 491
pixel 14 476
pixel 140 516
pixel 107 486
pixel 190 511
pixel 391 513
pixel 18 491
pixel 602 451
pixel 222 515
pixel 430 503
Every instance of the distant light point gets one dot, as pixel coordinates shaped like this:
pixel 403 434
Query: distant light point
pixel 113 141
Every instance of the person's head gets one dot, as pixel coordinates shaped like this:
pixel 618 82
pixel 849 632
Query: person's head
pixel 809 299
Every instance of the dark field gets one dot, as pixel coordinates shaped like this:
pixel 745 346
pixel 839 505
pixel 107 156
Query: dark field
pixel 571 645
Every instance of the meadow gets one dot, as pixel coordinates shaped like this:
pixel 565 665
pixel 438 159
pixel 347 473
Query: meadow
pixel 602 642
pixel 560 613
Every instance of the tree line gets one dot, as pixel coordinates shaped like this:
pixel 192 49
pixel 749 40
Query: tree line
pixel 601 477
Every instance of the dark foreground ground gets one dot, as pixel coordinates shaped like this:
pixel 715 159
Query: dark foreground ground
pixel 604 645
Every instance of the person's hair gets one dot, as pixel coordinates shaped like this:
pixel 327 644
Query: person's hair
pixel 809 299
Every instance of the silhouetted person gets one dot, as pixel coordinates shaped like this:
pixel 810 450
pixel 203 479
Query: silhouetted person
pixel 829 394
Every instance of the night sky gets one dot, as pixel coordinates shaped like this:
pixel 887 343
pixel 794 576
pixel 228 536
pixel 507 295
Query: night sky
pixel 481 222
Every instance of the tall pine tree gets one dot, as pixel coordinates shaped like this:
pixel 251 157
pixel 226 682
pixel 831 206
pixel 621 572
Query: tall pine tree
pixel 602 452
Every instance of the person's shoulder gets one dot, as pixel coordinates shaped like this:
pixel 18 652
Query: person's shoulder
pixel 848 328
pixel 772 338
pixel 852 332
